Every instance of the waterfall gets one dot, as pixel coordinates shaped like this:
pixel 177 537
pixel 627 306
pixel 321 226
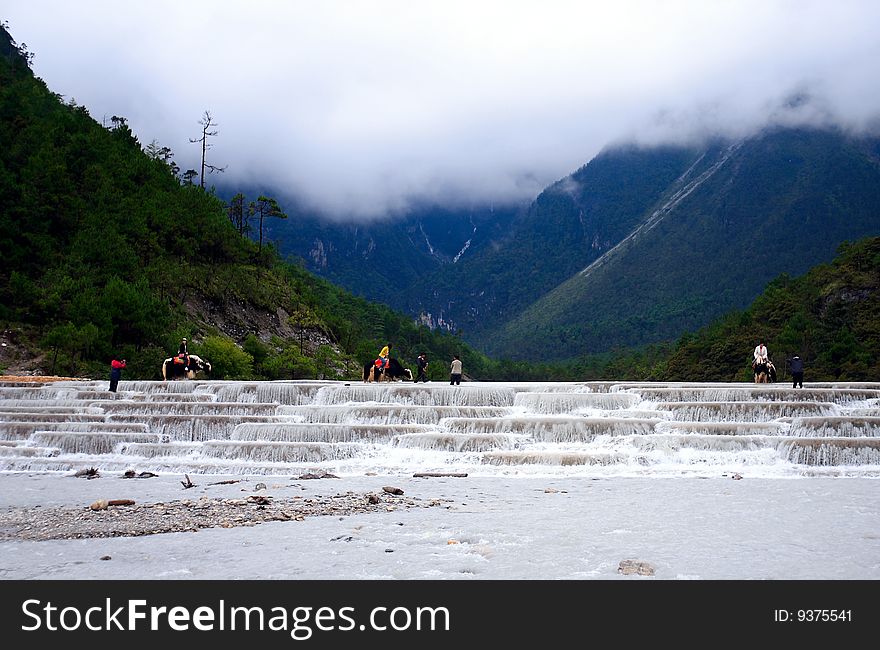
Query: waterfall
pixel 88 442
pixel 744 411
pixel 832 451
pixel 558 402
pixel 186 427
pixel 555 429
pixel 154 449
pixel 602 428
pixel 286 452
pixel 376 413
pixel 721 428
pixel 456 442
pixel 839 426
pixel 322 432
pixel 134 407
pixel 561 458
pixel 418 395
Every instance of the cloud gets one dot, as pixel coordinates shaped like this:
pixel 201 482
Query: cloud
pixel 362 109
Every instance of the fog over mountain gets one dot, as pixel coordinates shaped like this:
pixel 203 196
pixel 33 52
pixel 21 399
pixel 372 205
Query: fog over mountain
pixel 363 109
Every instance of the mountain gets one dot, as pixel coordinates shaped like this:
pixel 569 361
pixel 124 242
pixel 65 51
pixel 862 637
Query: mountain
pixel 740 214
pixel 638 246
pixel 108 251
pixel 570 224
pixel 381 259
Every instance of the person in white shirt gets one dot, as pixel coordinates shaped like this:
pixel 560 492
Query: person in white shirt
pixel 760 353
pixel 455 371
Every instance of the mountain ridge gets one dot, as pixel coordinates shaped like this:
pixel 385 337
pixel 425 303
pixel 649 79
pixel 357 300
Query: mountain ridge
pixel 788 213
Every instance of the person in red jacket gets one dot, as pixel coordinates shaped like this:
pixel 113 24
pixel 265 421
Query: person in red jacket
pixel 115 373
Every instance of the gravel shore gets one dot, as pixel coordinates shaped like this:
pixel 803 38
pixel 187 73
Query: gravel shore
pixel 105 519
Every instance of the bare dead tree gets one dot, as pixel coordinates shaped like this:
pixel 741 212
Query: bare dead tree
pixel 208 131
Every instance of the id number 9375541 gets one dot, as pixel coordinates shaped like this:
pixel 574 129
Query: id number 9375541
pixel 812 615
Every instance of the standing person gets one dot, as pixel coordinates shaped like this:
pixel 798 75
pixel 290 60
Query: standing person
pixel 422 362
pixel 760 353
pixel 455 371
pixel 115 373
pixel 797 372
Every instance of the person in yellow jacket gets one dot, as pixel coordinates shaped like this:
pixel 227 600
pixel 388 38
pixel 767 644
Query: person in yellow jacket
pixel 384 355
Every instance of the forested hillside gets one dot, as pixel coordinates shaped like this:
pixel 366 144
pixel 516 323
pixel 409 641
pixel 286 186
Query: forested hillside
pixel 830 317
pixel 388 260
pixel 109 251
pixel 746 211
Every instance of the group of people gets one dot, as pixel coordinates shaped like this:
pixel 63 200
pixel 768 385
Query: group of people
pixel 796 364
pixel 760 354
pixel 455 371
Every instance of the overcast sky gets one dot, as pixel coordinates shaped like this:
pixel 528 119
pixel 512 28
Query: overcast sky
pixel 365 108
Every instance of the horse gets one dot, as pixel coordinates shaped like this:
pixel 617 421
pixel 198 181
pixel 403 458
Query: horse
pixel 177 367
pixel 394 371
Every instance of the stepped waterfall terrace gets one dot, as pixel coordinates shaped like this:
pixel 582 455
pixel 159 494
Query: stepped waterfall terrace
pixel 490 429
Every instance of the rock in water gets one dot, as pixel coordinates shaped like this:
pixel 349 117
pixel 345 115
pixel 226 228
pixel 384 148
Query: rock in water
pixel 630 567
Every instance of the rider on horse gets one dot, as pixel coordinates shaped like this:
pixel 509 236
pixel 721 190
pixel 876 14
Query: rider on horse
pixel 182 354
pixel 384 355
pixel 760 354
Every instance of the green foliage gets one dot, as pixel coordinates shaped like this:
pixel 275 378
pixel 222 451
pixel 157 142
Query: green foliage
pixel 258 350
pixel 289 363
pixel 227 360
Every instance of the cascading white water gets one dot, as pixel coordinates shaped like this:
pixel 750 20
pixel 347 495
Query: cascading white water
pixel 590 428
pixel 722 428
pixel 559 402
pixel 263 392
pixel 88 442
pixel 154 449
pixel 553 429
pixel 136 407
pixel 285 452
pixel 745 411
pixel 482 395
pixel 836 426
pixel 36 416
pixel 187 427
pixel 832 451
pixel 754 393
pixel 458 442
pixel 322 432
pixel 23 451
pixel 375 413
